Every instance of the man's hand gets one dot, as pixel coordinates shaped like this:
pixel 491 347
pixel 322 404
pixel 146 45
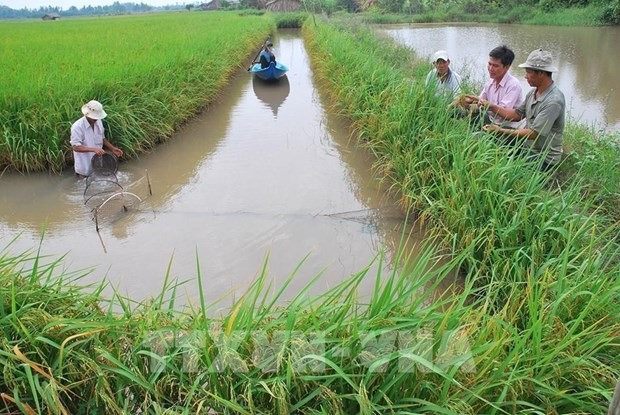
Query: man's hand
pixel 489 128
pixel 117 152
pixel 484 103
pixel 471 99
pixel 99 151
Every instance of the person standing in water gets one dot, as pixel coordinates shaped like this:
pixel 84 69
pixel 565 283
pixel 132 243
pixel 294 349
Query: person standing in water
pixel 88 139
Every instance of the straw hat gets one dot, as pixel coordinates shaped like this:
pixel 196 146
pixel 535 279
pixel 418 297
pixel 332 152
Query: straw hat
pixel 540 60
pixel 93 109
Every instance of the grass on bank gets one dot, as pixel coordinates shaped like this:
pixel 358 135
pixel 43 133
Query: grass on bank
pixel 151 72
pixel 520 231
pixel 400 351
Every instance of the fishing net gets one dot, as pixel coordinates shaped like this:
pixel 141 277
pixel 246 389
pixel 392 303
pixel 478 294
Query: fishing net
pixel 105 196
pixel 105 164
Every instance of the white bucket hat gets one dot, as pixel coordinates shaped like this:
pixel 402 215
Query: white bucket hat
pixel 540 60
pixel 440 54
pixel 93 109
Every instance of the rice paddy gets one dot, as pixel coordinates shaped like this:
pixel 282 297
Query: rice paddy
pixel 151 73
pixel 535 329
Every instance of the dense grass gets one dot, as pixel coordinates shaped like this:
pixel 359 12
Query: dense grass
pixel 521 234
pixel 593 158
pixel 151 72
pixel 400 351
pixel 290 20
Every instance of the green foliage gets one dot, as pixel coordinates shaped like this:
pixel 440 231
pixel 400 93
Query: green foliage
pixel 116 8
pixel 556 12
pixel 289 20
pixel 251 12
pixel 536 299
pixel 593 157
pixel 611 12
pixel 574 16
pixel 391 6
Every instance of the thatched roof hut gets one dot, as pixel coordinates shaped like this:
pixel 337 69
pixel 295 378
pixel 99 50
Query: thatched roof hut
pixel 51 16
pixel 283 5
pixel 219 4
pixel 212 5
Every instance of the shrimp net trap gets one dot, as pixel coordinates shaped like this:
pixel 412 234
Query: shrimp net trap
pixel 105 196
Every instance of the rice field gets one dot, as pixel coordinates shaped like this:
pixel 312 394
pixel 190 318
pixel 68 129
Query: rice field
pixel 535 328
pixel 151 73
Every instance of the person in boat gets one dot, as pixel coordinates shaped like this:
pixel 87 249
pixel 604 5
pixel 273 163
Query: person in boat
pixel 543 110
pixel 445 80
pixel 502 89
pixel 267 55
pixel 87 138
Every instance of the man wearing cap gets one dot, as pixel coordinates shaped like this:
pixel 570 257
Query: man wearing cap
pixel 543 111
pixel 446 81
pixel 267 55
pixel 87 138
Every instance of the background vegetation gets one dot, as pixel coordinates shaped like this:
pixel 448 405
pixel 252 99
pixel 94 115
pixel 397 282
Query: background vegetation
pixel 556 12
pixel 550 12
pixel 115 8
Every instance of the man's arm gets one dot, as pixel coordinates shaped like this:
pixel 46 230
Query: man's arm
pixel 525 133
pixel 269 51
pixel 506 113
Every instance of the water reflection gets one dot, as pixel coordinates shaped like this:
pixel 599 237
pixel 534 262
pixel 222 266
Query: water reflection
pixel 272 94
pixel 586 57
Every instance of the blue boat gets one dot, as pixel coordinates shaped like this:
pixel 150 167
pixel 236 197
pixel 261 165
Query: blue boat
pixel 272 72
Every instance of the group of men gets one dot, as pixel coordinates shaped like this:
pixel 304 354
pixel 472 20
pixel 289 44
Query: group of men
pixel 534 125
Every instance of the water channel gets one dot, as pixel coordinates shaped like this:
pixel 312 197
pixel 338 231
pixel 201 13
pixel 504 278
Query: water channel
pixel 587 59
pixel 266 171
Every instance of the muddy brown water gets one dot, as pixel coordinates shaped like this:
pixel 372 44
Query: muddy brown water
pixel 587 59
pixel 265 175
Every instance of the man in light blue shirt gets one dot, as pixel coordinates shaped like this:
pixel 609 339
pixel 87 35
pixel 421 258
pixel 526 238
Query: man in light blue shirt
pixel 446 81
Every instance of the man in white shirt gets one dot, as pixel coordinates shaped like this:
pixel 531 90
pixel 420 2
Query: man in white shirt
pixel 87 138
pixel 446 81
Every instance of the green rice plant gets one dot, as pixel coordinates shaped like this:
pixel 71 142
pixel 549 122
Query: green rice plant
pixel 151 72
pixel 290 19
pixel 594 158
pixel 572 16
pixel 405 348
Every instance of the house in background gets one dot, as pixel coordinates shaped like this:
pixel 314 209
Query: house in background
pixel 51 16
pixel 283 5
pixel 219 4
